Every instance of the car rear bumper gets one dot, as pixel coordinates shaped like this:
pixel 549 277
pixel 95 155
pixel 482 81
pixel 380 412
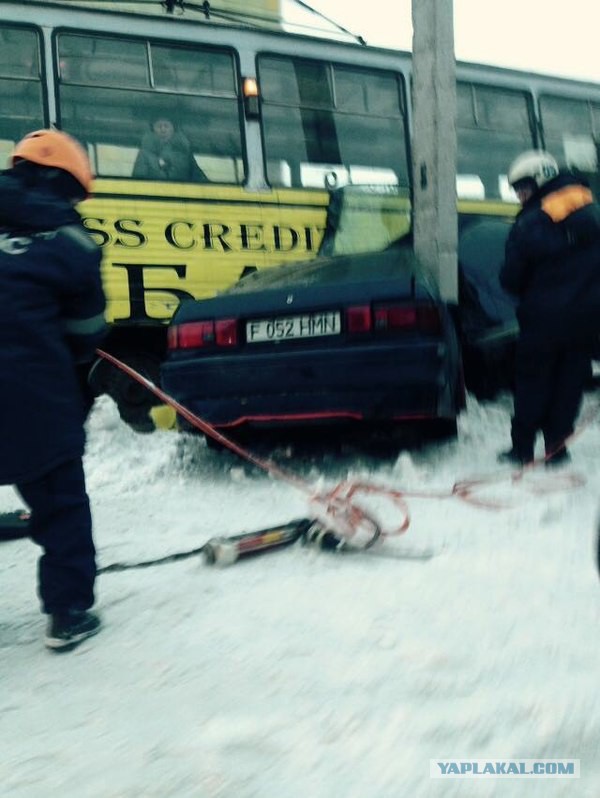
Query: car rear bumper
pixel 370 383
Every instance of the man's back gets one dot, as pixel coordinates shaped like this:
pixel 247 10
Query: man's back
pixel 553 263
pixel 50 283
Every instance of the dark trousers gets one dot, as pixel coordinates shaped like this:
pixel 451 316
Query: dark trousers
pixel 61 524
pixel 549 387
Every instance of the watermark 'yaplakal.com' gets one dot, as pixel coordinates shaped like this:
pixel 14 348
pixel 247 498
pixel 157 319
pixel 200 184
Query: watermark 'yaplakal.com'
pixel 504 768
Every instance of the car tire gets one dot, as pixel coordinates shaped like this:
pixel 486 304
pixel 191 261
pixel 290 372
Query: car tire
pixel 133 400
pixel 442 429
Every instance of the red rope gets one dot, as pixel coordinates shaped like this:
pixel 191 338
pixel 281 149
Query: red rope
pixel 338 508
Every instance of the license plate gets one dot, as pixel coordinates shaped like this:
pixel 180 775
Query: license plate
pixel 309 325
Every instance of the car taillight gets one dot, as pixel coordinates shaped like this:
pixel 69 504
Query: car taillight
pixel 172 337
pixel 395 317
pixel 226 332
pixel 198 334
pixel 429 319
pixel 191 335
pixel 358 319
pixel 422 318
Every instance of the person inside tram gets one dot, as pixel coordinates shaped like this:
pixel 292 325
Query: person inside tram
pixel 166 154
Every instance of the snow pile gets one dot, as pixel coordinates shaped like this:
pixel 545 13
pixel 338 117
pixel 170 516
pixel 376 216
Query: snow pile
pixel 302 673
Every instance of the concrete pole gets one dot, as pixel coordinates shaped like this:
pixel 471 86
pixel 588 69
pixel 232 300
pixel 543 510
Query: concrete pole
pixel 434 142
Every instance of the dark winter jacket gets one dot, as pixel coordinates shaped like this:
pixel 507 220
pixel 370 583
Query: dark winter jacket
pixel 167 160
pixel 553 264
pixel 51 318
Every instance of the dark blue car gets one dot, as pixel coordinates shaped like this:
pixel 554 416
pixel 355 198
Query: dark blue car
pixel 361 338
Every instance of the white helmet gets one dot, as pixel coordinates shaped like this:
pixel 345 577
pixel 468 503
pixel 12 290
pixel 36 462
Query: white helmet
pixel 537 165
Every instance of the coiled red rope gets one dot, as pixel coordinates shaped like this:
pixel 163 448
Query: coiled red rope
pixel 339 509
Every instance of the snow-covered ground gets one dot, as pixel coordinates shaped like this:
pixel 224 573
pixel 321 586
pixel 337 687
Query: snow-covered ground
pixel 302 673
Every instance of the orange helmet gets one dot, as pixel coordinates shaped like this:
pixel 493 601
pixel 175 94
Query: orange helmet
pixel 53 148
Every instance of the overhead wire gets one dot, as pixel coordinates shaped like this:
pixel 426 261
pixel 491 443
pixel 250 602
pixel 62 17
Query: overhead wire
pixel 355 36
pixel 250 19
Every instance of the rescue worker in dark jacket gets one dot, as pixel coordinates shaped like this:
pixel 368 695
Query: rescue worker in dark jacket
pixel 51 322
pixel 553 266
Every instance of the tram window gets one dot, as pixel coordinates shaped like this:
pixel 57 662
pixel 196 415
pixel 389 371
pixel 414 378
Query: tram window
pixel 321 175
pixel 296 82
pixel 180 69
pixel 103 61
pixel 314 84
pixel 111 159
pixel 561 115
pixel 497 109
pixel 113 112
pixel 507 192
pixel 21 97
pixel 320 118
pixel 278 81
pixel 469 187
pixel 6 148
pixel 19 53
pixel 361 92
pixel 493 126
pixel 572 134
pixel 369 175
pixel 595 118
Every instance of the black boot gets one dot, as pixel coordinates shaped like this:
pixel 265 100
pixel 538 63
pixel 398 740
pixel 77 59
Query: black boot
pixel 515 457
pixel 558 458
pixel 67 629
